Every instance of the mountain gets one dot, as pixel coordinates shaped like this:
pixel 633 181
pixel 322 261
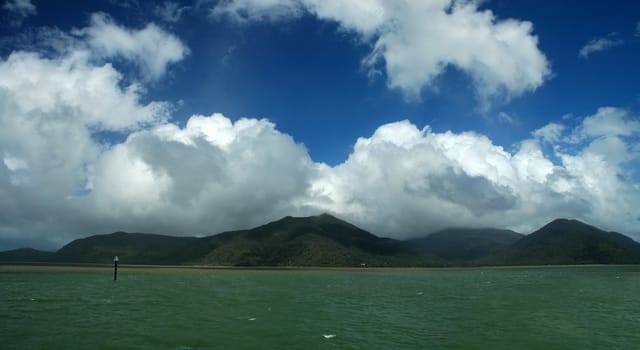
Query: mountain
pixel 566 241
pixel 132 248
pixel 311 241
pixel 26 255
pixel 465 245
pixel 328 241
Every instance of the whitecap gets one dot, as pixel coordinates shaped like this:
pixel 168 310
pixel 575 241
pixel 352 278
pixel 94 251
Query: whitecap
pixel 328 336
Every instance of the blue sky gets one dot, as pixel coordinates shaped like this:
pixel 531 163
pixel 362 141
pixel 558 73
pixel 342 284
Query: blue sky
pixel 401 116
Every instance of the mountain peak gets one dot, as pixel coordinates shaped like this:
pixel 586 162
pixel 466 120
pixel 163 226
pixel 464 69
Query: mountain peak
pixel 566 221
pixel 568 226
pixel 567 241
pixel 325 240
pixel 324 218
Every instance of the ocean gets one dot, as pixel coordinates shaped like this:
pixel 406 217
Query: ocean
pixel 169 308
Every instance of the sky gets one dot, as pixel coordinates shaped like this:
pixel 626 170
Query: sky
pixel 403 117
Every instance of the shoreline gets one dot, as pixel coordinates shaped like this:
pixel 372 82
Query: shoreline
pixel 55 267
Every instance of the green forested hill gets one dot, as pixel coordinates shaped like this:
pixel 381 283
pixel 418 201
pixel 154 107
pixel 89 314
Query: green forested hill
pixel 132 248
pixel 328 241
pixel 566 241
pixel 311 241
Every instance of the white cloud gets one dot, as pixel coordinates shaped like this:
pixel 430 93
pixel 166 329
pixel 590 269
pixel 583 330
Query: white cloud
pixel 599 44
pixel 44 88
pixel 170 11
pixel 404 181
pixel 550 133
pixel 48 41
pixel 611 133
pixel 20 9
pixel 214 174
pixel 151 48
pixel 58 181
pixel 417 41
pixel 608 121
pixel 256 10
pixel 49 110
pixel 611 148
pixel 210 176
pixel 365 18
pixel 13 163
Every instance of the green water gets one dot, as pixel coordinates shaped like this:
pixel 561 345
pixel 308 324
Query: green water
pixel 554 308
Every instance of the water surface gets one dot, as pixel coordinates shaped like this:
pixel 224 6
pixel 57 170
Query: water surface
pixel 524 308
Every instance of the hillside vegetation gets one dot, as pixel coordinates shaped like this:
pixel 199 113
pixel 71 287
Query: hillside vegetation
pixel 325 240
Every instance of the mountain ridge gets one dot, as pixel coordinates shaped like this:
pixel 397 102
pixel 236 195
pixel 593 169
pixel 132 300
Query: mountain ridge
pixel 570 241
pixel 322 240
pixel 325 240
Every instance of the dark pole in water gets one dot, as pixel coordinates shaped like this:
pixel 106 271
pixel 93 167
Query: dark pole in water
pixel 115 267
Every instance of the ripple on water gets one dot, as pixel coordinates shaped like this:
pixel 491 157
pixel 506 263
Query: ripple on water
pixel 542 308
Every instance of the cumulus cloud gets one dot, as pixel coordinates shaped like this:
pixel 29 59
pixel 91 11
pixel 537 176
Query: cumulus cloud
pixel 614 149
pixel 72 89
pixel 405 180
pixel 600 44
pixel 151 48
pixel 611 133
pixel 550 133
pixel 209 176
pixel 214 174
pixel 607 121
pixel 610 121
pixel 50 110
pixel 417 41
pixel 59 181
pixel 19 10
